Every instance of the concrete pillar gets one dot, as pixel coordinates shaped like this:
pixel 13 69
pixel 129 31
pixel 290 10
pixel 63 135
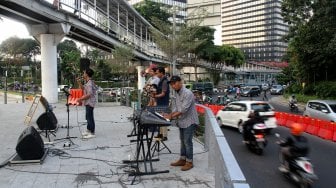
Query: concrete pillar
pixel 141 79
pixel 49 35
pixel 49 68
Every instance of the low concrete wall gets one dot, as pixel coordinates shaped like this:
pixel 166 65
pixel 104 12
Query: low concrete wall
pixel 221 159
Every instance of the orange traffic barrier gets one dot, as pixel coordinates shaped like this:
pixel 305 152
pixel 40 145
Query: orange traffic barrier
pixel 306 122
pixel 281 118
pixel 334 133
pixel 285 117
pixel 291 118
pixel 313 127
pixel 200 109
pixel 321 128
pixel 326 130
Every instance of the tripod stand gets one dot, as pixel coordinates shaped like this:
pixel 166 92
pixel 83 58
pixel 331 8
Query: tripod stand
pixel 68 137
pixel 156 147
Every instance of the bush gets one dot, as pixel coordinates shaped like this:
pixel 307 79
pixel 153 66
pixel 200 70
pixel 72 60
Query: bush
pixel 323 90
pixel 309 90
pixel 199 133
pixel 326 90
pixel 294 88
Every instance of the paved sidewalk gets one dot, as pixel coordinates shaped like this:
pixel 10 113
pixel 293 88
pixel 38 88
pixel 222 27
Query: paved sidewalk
pixel 96 162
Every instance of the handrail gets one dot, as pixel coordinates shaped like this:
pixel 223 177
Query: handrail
pixel 100 18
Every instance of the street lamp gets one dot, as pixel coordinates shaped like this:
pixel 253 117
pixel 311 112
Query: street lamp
pixel 5 95
pixel 22 86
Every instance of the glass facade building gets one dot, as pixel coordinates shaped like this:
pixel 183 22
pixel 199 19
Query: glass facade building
pixel 256 27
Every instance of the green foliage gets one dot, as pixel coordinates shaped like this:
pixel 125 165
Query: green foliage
pixel 123 54
pixel 296 13
pixel 151 10
pixel 103 71
pixel 207 46
pixel 322 90
pixel 200 129
pixel 294 88
pixel 326 90
pixel 70 57
pixel 177 41
pixel 312 39
pixel 18 50
pixel 287 75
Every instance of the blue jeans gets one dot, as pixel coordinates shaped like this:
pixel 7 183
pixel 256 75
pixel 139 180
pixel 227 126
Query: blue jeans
pixel 89 118
pixel 186 135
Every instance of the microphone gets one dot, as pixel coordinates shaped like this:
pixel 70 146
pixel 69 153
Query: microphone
pixel 66 92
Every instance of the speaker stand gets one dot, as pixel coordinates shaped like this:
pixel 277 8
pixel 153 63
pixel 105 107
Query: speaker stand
pixel 68 137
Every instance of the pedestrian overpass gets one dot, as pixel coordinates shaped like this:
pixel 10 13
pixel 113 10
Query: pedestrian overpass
pixel 98 23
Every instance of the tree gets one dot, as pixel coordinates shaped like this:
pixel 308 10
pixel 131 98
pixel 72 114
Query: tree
pixel 218 56
pixel 296 13
pixel 312 45
pixel 69 64
pixel 17 52
pixel 152 10
pixel 103 70
pixel 121 62
pixel 177 42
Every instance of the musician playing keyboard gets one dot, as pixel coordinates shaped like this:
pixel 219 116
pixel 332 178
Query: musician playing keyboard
pixel 184 111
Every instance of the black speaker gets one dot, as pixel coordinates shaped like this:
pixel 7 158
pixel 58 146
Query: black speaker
pixel 47 121
pixel 84 63
pixel 30 145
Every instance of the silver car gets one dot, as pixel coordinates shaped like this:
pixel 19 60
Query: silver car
pixel 276 90
pixel 321 109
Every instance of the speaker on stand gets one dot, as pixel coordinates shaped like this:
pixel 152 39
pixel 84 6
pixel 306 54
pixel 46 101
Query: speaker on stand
pixel 84 63
pixel 47 122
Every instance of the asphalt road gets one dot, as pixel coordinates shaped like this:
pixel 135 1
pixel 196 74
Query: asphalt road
pixel 262 171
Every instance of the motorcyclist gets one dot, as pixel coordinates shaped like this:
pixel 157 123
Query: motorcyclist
pixel 295 145
pixel 292 100
pixel 248 125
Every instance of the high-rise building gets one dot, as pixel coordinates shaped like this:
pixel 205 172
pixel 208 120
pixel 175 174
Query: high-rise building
pixel 256 27
pixel 212 15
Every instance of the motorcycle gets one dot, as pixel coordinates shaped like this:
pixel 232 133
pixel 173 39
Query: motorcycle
pixel 223 100
pixel 293 107
pixel 300 169
pixel 256 139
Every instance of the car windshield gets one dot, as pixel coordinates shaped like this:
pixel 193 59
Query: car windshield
pixel 246 89
pixel 276 86
pixel 333 107
pixel 261 107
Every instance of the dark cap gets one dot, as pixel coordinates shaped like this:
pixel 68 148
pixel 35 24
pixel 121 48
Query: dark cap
pixel 174 79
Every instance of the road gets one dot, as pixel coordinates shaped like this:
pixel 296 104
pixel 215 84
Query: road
pixel 262 171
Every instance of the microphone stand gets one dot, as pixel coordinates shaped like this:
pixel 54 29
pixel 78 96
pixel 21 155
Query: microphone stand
pixel 68 137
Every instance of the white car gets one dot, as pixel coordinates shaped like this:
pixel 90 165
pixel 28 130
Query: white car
pixel 236 113
pixel 321 109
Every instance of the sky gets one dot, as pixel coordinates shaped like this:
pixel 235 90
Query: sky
pixel 10 28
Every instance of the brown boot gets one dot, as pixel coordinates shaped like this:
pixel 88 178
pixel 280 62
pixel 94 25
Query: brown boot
pixel 180 162
pixel 187 166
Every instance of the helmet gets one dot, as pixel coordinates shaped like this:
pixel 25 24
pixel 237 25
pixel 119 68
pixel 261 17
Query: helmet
pixel 293 96
pixel 296 129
